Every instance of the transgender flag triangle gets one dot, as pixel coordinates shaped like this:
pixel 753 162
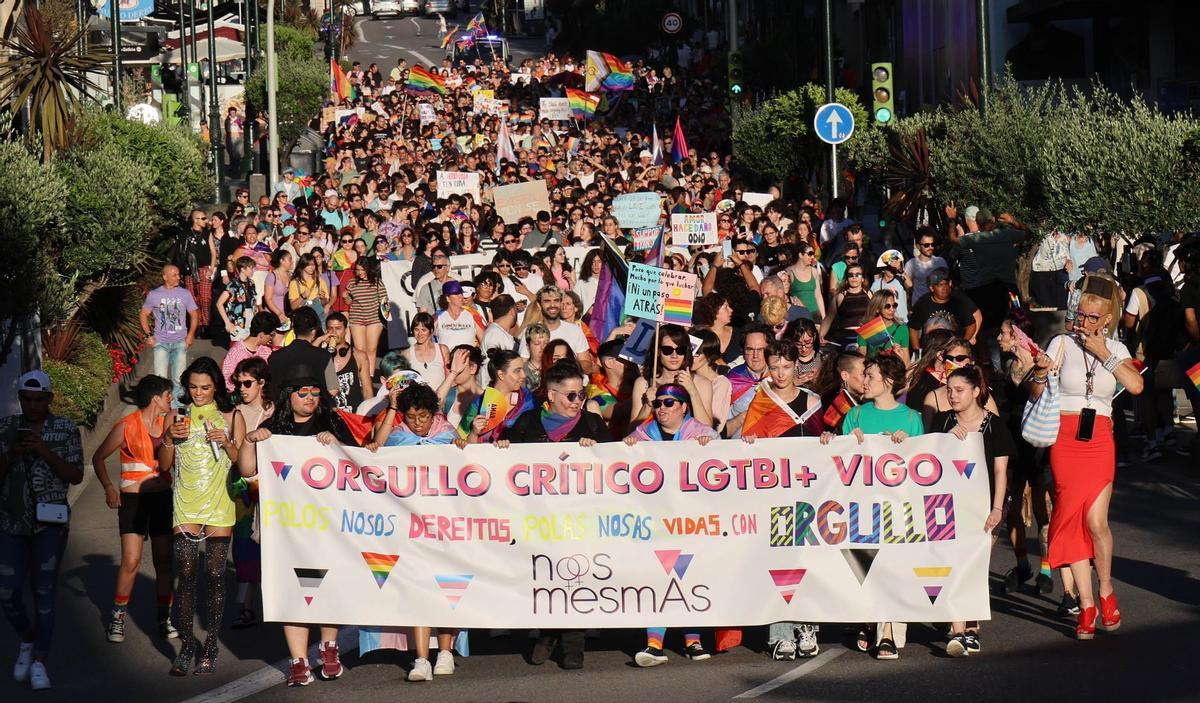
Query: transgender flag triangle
pixel 453 586
pixel 786 581
pixel 380 565
pixel 964 468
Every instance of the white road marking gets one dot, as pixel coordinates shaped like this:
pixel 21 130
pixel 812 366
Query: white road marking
pixel 799 671
pixel 358 31
pixel 269 676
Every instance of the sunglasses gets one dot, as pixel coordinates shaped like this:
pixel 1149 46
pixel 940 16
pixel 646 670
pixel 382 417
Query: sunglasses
pixel 574 396
pixel 438 266
pixel 343 351
pixel 347 241
pixel 746 252
pixel 1091 316
pixel 958 358
pixel 665 403
pixel 510 241
pixel 308 392
pixel 668 350
pixel 854 275
pixel 851 258
pixel 247 384
pixel 889 306
pixel 926 245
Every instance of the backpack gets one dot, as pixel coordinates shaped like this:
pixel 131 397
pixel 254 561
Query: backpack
pixel 1162 331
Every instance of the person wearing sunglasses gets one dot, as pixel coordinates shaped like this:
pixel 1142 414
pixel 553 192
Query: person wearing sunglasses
pixel 944 302
pixel 955 355
pixel 254 393
pixel 561 418
pixel 304 409
pixel 849 308
pixel 671 420
pixel 1088 366
pixel 674 366
pixel 884 304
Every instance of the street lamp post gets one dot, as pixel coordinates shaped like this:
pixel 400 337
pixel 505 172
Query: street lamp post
pixel 272 119
pixel 247 164
pixel 114 16
pixel 214 104
pixel 985 71
pixel 185 102
pixel 827 21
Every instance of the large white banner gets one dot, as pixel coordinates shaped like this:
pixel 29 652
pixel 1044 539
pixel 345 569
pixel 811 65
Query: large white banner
pixel 662 534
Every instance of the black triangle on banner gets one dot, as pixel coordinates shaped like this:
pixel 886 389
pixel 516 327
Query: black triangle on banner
pixel 860 561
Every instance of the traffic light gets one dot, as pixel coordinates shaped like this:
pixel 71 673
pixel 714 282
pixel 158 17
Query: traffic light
pixel 735 74
pixel 881 93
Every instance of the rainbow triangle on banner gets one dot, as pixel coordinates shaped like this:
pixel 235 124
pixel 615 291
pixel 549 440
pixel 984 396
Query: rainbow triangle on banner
pixel 380 565
pixel 786 580
pixel 453 586
pixel 932 590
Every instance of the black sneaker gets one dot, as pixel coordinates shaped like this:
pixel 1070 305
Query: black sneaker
pixel 1044 584
pixel 957 646
pixel 973 646
pixel 650 656
pixel 245 619
pixel 1015 577
pixel 166 630
pixel 1068 606
pixel 695 652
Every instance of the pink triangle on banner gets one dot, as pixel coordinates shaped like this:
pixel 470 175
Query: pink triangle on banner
pixel 786 577
pixel 787 596
pixel 281 469
pixel 964 468
pixel 667 557
pixel 933 592
pixel 453 601
pixel 308 600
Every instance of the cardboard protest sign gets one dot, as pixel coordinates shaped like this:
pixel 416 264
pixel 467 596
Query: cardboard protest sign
pixel 759 199
pixel 554 109
pixel 452 182
pixel 660 294
pixel 518 200
pixel 694 229
pixel 637 209
pixel 428 114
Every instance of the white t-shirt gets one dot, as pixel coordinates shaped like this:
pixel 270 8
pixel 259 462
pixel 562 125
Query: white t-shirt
pixel 918 271
pixel 1073 377
pixel 570 333
pixel 496 337
pixel 453 331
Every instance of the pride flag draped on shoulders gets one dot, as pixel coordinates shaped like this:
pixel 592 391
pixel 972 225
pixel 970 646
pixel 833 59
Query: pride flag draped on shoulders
pixel 769 416
pixel 607 72
pixel 422 81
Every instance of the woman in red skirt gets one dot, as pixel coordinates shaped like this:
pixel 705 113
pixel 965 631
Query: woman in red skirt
pixel 1083 458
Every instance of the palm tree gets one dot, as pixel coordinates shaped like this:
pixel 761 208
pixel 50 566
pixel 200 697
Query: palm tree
pixel 45 68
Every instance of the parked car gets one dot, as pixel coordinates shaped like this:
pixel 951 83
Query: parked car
pixel 385 8
pixel 447 8
pixel 413 7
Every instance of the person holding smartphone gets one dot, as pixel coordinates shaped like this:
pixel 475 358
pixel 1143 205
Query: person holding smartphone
pixel 1090 365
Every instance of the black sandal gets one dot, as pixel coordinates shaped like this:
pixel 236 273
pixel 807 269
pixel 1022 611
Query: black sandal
pixel 886 649
pixel 862 641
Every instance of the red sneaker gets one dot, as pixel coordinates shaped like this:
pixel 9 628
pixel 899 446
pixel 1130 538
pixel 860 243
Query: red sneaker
pixel 299 674
pixel 331 666
pixel 1086 629
pixel 1110 617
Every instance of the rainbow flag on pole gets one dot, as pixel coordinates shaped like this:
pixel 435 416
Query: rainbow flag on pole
pixel 607 72
pixel 449 37
pixel 875 332
pixel 422 81
pixel 339 84
pixel 583 105
pixel 477 24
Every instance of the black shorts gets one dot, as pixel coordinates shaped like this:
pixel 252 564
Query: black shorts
pixel 146 514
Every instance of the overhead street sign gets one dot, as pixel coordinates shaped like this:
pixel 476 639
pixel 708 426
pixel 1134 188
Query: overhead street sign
pixel 833 123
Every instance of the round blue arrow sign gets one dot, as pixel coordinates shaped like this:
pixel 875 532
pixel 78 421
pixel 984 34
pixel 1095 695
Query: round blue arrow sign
pixel 833 123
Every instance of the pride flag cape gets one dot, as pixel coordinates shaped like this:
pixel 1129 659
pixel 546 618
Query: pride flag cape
pixel 360 426
pixel 875 332
pixel 769 416
pixel 679 147
pixel 1193 375
pixel 500 410
pixel 421 81
pixel 504 147
pixel 372 638
pixel 583 105
pixel 607 72
pixel 339 84
pixel 610 291
pixel 741 379
pixel 837 410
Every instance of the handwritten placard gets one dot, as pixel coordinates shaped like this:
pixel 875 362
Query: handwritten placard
pixel 694 229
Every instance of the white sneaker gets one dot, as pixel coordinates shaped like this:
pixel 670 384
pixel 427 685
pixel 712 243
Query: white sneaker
pixel 24 660
pixel 421 671
pixel 807 641
pixel 38 680
pixel 445 663
pixel 784 650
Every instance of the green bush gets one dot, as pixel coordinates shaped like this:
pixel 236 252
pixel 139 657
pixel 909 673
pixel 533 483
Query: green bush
pixel 109 214
pixel 303 88
pixel 81 384
pixel 294 42
pixel 32 198
pixel 179 176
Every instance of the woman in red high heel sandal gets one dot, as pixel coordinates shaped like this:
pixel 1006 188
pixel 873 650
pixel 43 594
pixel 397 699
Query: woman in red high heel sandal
pixel 1089 367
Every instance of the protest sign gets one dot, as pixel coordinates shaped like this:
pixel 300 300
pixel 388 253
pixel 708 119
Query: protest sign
pixel 644 237
pixel 554 109
pixel 559 535
pixel 451 182
pixel 482 99
pixel 518 200
pixel 665 295
pixel 637 209
pixel 637 344
pixel 759 199
pixel 694 229
pixel 428 114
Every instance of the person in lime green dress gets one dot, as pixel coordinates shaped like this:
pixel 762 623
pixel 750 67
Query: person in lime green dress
pixel 881 413
pixel 201 445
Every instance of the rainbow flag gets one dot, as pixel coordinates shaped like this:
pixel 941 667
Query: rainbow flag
pixel 339 84
pixel 583 105
pixel 679 147
pixel 477 24
pixel 837 410
pixel 421 80
pixel 572 145
pixel 500 410
pixel 769 416
pixel 449 37
pixel 875 332
pixel 1193 375
pixel 607 72
pixel 380 565
pixel 610 290
pixel 677 308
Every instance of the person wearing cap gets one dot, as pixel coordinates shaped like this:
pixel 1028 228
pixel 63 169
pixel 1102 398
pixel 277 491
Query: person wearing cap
pixel 306 328
pixel 304 409
pixel 287 184
pixel 41 455
pixel 943 302
pixel 455 324
pixel 890 274
pixel 175 318
pixel 332 213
